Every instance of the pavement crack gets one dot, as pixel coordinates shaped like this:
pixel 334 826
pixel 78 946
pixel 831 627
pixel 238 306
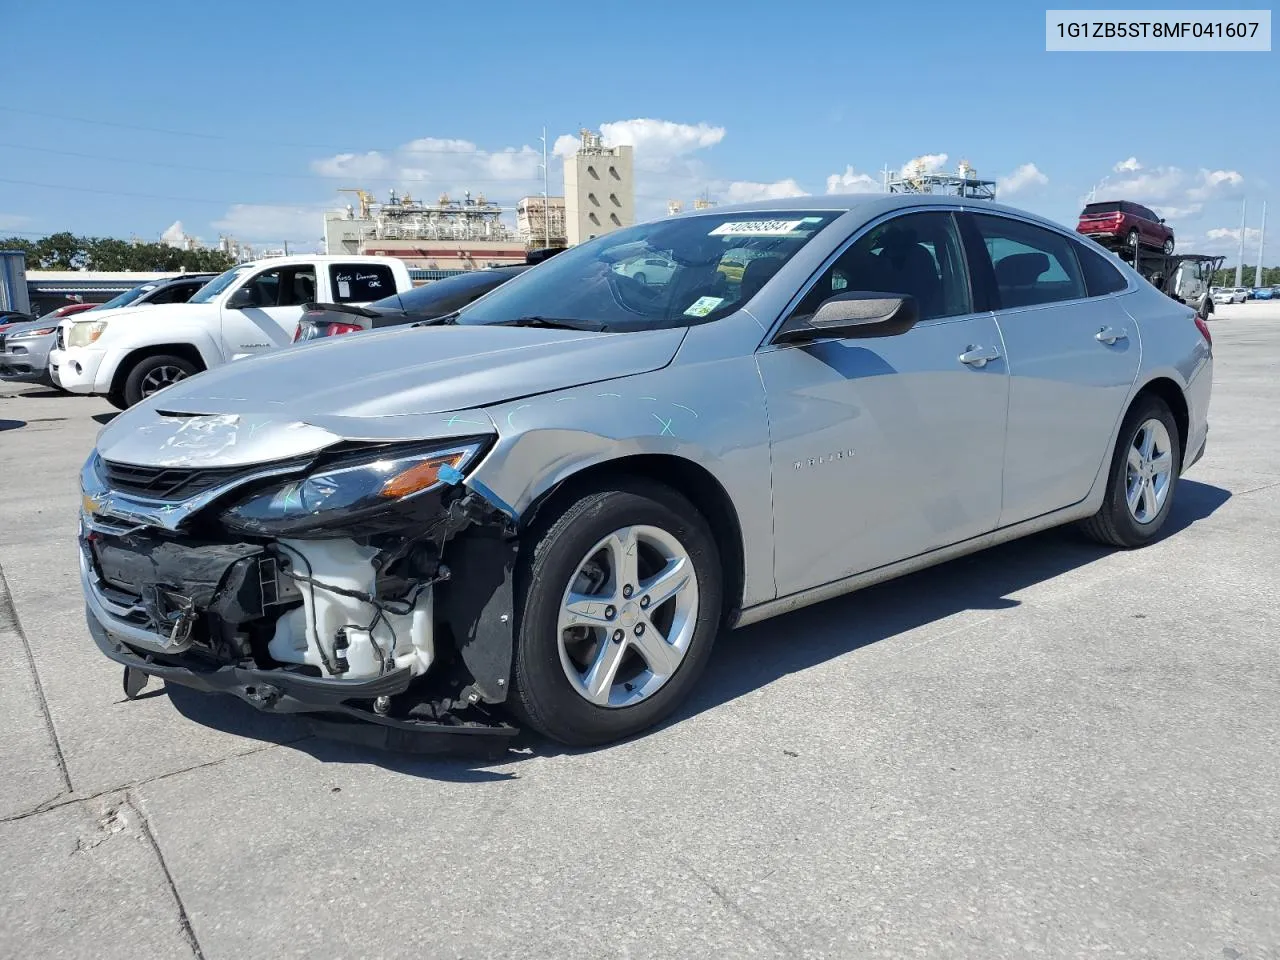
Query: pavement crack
pixel 734 907
pixel 184 921
pixel 9 618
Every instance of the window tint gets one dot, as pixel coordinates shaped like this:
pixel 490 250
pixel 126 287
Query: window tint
pixel 283 287
pixel 175 293
pixel 1111 206
pixel 439 297
pixel 1100 277
pixel 1031 265
pixel 361 282
pixel 917 254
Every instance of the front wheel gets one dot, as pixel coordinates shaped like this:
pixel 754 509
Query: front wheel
pixel 152 374
pixel 1143 478
pixel 621 605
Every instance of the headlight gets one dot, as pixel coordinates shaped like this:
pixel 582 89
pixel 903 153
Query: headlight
pixel 345 491
pixel 83 334
pixel 42 332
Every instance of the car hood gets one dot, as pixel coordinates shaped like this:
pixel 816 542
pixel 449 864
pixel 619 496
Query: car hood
pixel 28 325
pixel 382 385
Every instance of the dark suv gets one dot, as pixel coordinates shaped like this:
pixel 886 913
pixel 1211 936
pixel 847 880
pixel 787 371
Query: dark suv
pixel 1129 222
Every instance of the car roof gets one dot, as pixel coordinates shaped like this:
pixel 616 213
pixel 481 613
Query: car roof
pixel 870 205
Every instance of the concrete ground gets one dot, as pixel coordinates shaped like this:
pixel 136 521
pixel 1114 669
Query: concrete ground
pixel 1049 749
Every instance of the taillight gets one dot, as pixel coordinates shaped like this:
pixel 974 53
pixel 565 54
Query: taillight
pixel 336 328
pixel 1204 329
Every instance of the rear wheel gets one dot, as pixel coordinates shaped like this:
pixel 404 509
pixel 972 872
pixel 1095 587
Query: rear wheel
pixel 152 374
pixel 641 278
pixel 620 609
pixel 1168 247
pixel 1143 478
pixel 1134 238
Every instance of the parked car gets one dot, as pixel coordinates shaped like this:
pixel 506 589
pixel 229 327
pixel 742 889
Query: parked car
pixel 1230 295
pixel 1123 220
pixel 427 302
pixel 552 503
pixel 9 317
pixel 26 359
pixel 250 309
pixel 1261 293
pixel 647 269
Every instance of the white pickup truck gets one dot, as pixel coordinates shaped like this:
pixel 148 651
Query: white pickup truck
pixel 251 309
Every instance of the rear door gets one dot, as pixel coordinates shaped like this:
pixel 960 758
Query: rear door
pixel 1072 351
pixel 270 321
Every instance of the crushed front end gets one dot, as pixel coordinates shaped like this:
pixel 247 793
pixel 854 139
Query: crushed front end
pixel 365 587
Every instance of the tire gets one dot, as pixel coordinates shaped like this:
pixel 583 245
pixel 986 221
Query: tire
pixel 640 278
pixel 1134 239
pixel 1116 523
pixel 116 399
pixel 149 371
pixel 1168 247
pixel 553 558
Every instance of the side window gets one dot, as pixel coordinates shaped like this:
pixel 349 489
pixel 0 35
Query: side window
pixel 361 282
pixel 175 293
pixel 283 287
pixel 918 254
pixel 1100 277
pixel 1031 265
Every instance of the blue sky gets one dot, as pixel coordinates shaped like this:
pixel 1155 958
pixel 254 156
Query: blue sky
pixel 273 106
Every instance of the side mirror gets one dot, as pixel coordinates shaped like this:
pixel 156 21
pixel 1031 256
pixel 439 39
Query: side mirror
pixel 854 314
pixel 239 300
pixel 1162 219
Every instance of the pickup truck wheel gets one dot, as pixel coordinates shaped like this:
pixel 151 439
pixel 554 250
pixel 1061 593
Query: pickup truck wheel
pixel 620 606
pixel 1143 478
pixel 116 399
pixel 152 374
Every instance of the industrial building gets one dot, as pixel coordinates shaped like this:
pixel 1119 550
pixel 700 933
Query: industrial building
pixel 599 189
pixel 540 222
pixel 446 235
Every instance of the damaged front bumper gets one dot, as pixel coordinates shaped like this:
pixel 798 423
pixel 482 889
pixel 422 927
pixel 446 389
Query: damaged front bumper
pixel 306 627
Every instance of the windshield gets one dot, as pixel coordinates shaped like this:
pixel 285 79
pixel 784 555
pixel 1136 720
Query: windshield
pixel 218 284
pixel 126 298
pixel 668 273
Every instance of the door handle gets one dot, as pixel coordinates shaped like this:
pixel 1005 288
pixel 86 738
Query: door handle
pixel 1110 335
pixel 979 356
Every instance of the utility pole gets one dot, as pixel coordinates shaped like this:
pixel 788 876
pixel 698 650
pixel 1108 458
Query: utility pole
pixel 546 202
pixel 1240 262
pixel 286 248
pixel 1262 236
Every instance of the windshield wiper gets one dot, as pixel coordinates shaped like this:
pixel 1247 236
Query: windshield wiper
pixel 444 320
pixel 555 323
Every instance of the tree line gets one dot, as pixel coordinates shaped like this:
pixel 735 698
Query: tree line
pixel 1226 277
pixel 65 251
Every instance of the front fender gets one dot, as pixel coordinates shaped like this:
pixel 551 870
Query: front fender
pixel 710 414
pixel 124 345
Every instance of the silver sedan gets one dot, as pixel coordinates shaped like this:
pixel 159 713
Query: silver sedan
pixel 24 351
pixel 548 506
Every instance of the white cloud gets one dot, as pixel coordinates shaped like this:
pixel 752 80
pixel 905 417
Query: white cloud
pixel 926 163
pixel 1171 191
pixel 747 191
pixel 432 165
pixel 274 223
pixel 851 182
pixel 1027 175
pixel 654 140
pixel 174 235
pixel 12 221
pixel 1251 234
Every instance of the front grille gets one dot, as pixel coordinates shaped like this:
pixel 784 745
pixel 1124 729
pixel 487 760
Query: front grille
pixel 170 483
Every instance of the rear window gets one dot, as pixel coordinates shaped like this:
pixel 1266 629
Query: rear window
pixel 439 297
pixel 361 282
pixel 1111 207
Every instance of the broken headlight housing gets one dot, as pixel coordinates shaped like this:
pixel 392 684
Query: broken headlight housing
pixel 350 490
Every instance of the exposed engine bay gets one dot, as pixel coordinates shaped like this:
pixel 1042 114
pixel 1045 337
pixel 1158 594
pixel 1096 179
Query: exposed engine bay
pixel 397 614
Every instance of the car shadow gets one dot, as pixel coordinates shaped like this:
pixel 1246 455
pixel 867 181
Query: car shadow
pixel 751 658
pixel 105 418
pixel 43 393
pixel 12 425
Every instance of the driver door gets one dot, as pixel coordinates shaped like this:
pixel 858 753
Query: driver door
pixel 270 321
pixel 885 448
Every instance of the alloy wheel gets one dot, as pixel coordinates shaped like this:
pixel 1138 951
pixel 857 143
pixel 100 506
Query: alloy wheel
pixel 161 377
pixel 1149 472
pixel 628 616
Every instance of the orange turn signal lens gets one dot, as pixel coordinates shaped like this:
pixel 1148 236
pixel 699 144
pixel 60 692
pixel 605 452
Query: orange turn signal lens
pixel 419 477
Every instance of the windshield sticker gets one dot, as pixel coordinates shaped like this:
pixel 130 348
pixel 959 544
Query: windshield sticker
pixel 703 305
pixel 756 228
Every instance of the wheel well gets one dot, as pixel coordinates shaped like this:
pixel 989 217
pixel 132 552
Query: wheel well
pixel 694 482
pixel 184 350
pixel 1171 394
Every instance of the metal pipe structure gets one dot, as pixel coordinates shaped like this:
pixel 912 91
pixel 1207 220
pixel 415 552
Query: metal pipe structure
pixel 1240 260
pixel 1262 237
